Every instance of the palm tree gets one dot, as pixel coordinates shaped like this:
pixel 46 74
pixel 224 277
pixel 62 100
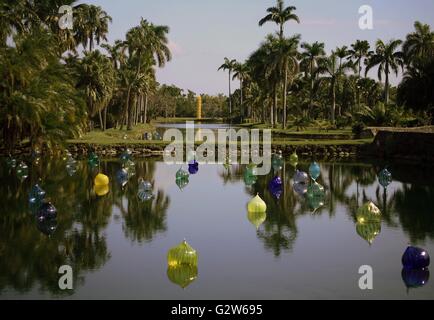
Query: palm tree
pixel 333 69
pixel 310 56
pixel 419 45
pixel 241 72
pixel 358 53
pixel 229 65
pixel 387 58
pixel 280 15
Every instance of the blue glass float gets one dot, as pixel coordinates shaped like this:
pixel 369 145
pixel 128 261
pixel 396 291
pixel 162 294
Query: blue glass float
pixel 193 167
pixel 275 187
pixel 46 211
pixel 93 159
pixel 22 171
pixel 385 178
pixel 415 278
pixel 315 196
pixel 277 161
pixel 314 171
pixel 47 226
pixel 145 190
pixel 122 177
pixel 415 258
pixel 36 194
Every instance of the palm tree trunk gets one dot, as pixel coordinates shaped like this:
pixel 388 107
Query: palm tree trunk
pixel 230 99
pixel 105 118
pixel 333 109
pixel 275 105
pixel 241 99
pixel 101 123
pixel 145 113
pixel 125 113
pixel 386 92
pixel 271 114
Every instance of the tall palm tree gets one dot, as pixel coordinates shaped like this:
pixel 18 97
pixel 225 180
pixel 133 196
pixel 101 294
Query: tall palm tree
pixel 387 58
pixel 358 53
pixel 280 14
pixel 418 47
pixel 241 72
pixel 310 56
pixel 332 68
pixel 229 65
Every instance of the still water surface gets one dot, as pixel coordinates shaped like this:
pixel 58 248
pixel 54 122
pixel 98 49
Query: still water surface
pixel 117 244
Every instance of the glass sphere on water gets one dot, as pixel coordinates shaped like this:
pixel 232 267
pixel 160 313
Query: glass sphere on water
pixel 314 170
pixel 22 171
pixel 385 178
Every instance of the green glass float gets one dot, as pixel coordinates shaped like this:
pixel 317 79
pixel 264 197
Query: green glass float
pixel 182 254
pixel 145 190
pixel 314 170
pixel 22 171
pixel 385 178
pixel 156 136
pixel 93 160
pixel 293 159
pixel 130 166
pixel 315 196
pixel 369 212
pixel 11 162
pixel 182 275
pixel 256 218
pixel 277 161
pixel 250 176
pixel 368 230
pixel 182 178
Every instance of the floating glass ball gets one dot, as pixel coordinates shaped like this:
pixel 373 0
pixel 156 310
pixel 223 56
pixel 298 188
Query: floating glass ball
pixel 300 188
pixel 256 205
pixel 314 170
pixel 369 212
pixel 130 166
pixel 71 166
pixel 157 136
pixel 182 183
pixel 182 275
pixel 275 187
pixel 47 226
pixel 193 167
pixel 385 178
pixel 250 177
pixel 182 174
pixel 277 161
pixel 147 136
pixel 122 176
pixel 125 156
pixel 101 180
pixel 36 194
pixel 315 196
pixel 415 258
pixel 145 190
pixel 300 177
pixel 415 278
pixel 293 159
pixel 368 230
pixel 46 211
pixel 256 218
pixel 101 190
pixel 22 171
pixel 182 254
pixel 11 162
pixel 93 160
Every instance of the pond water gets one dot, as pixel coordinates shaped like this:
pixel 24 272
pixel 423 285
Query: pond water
pixel 117 245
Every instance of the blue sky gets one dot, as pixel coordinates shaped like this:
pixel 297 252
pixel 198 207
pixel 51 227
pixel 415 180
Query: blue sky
pixel 203 32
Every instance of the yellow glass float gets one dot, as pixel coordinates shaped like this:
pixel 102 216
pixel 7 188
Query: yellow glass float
pixel 368 224
pixel 101 190
pixel 256 218
pixel 368 212
pixel 182 254
pixel 101 180
pixel 182 275
pixel 256 205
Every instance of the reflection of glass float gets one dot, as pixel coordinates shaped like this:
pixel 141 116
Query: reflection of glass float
pixel 368 212
pixel 300 177
pixel 71 166
pixel 415 278
pixel 275 187
pixel 22 171
pixel 314 170
pixel 36 194
pixel 256 205
pixel 277 161
pixel 46 211
pixel 368 230
pixel 249 175
pixel 130 166
pixel 385 178
pixel 47 226
pixel 122 177
pixel 293 159
pixel 93 159
pixel 182 254
pixel 193 167
pixel 101 180
pixel 256 218
pixel 11 162
pixel 125 156
pixel 144 190
pixel 157 136
pixel 315 196
pixel 415 258
pixel 182 275
pixel 101 190
pixel 300 188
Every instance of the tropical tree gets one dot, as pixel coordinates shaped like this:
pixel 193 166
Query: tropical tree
pixel 387 58
pixel 241 72
pixel 229 65
pixel 280 14
pixel 418 47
